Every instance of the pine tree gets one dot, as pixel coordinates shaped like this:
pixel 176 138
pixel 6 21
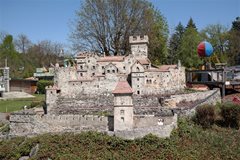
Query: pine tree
pixel 234 39
pixel 188 48
pixel 174 44
pixel 191 24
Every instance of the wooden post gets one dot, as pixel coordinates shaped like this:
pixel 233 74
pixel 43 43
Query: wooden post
pixel 223 83
pixel 211 76
pixel 223 90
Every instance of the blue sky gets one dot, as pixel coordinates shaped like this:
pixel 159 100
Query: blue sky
pixel 50 19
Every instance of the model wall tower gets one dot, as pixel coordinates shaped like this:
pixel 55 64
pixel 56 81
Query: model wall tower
pixel 139 46
pixel 123 107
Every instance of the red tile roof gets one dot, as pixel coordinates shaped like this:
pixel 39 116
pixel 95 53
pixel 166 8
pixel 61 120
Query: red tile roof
pixel 122 87
pixel 143 61
pixel 111 59
pixel 167 67
pixel 163 68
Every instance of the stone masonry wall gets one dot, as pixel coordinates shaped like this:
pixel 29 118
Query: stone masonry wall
pixel 29 124
pixel 160 131
pixel 90 104
pixel 211 99
pixel 143 121
pixel 173 100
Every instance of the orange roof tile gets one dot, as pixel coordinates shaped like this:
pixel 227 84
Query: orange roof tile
pixel 167 67
pixel 163 68
pixel 122 87
pixel 143 61
pixel 111 59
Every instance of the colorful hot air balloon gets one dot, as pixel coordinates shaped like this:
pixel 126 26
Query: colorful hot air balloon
pixel 205 49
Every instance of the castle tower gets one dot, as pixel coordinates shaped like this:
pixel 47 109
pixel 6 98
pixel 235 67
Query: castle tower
pixel 123 107
pixel 139 46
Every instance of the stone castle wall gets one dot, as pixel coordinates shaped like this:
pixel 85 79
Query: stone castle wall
pixel 86 104
pixel 140 131
pixel 22 124
pixel 212 98
pixel 174 100
pixel 164 82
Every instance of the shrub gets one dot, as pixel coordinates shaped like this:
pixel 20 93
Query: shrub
pixel 41 84
pixel 36 104
pixel 231 115
pixel 205 116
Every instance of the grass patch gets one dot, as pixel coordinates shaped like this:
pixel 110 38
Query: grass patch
pixel 12 105
pixel 189 141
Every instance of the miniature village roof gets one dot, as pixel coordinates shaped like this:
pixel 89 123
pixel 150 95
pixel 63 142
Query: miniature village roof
pixel 83 55
pixel 163 68
pixel 167 67
pixel 143 61
pixel 111 59
pixel 122 87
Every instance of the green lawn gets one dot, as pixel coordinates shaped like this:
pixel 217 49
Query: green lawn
pixel 17 104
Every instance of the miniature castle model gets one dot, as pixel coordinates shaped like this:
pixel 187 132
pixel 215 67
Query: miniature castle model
pixel 124 86
pixel 95 75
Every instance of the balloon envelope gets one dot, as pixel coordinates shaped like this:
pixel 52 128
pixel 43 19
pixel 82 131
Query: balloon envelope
pixel 205 49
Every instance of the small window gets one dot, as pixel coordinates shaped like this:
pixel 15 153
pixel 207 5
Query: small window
pixel 138 69
pixel 141 37
pixel 108 71
pixel 137 79
pixel 122 118
pixel 138 86
pixel 93 74
pixel 81 67
pixel 93 67
pixel 102 67
pixel 113 71
pixel 81 74
pixel 122 112
pixel 124 67
pixel 88 61
pixel 138 92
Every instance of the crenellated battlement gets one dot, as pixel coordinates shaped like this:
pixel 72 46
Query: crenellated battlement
pixel 138 39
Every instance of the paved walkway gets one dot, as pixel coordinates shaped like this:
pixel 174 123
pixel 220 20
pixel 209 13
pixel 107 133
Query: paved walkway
pixel 11 95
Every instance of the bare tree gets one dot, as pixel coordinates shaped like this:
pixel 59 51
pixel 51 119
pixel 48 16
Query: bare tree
pixel 45 52
pixel 22 43
pixel 105 25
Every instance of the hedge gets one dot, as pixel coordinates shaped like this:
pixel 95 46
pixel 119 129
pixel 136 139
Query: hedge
pixel 41 84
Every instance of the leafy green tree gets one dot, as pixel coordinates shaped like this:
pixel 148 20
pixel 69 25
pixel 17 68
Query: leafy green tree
pixel 188 48
pixel 158 36
pixel 233 45
pixel 174 44
pixel 217 35
pixel 105 26
pixel 7 51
